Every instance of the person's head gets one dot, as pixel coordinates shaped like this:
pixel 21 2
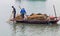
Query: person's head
pixel 12 6
pixel 23 8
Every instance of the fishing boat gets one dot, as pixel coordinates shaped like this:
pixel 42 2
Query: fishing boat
pixel 37 21
pixel 18 19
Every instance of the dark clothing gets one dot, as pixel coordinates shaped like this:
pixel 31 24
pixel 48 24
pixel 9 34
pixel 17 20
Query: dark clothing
pixel 22 15
pixel 23 12
pixel 14 15
pixel 14 12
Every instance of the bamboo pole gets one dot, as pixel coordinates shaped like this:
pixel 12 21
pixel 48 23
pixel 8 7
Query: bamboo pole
pixel 55 11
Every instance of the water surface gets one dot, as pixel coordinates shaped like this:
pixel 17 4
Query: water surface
pixel 20 29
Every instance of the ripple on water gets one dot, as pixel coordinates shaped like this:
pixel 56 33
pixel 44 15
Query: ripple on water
pixel 36 29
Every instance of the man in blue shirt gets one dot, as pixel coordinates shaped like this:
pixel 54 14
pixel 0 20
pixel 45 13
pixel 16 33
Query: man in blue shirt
pixel 23 12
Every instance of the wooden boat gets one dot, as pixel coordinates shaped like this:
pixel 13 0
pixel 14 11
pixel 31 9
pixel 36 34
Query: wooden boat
pixel 34 21
pixel 37 21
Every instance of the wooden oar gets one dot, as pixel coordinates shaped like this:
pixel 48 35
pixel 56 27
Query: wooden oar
pixel 8 21
pixel 11 16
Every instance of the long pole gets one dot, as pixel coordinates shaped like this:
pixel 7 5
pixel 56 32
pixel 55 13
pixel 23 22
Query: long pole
pixel 55 11
pixel 20 3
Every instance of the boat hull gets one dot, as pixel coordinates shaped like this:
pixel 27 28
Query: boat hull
pixel 37 21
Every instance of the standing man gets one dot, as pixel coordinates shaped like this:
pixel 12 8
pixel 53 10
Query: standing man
pixel 23 12
pixel 14 12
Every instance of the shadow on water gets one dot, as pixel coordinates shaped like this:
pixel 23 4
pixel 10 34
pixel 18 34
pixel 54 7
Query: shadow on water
pixel 22 29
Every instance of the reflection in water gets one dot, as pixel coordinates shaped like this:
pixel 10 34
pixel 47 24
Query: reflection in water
pixel 13 27
pixel 20 29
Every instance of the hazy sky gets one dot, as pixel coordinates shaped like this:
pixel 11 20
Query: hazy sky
pixel 49 2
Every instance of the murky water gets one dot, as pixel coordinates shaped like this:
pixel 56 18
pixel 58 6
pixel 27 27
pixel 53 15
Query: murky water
pixel 20 29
